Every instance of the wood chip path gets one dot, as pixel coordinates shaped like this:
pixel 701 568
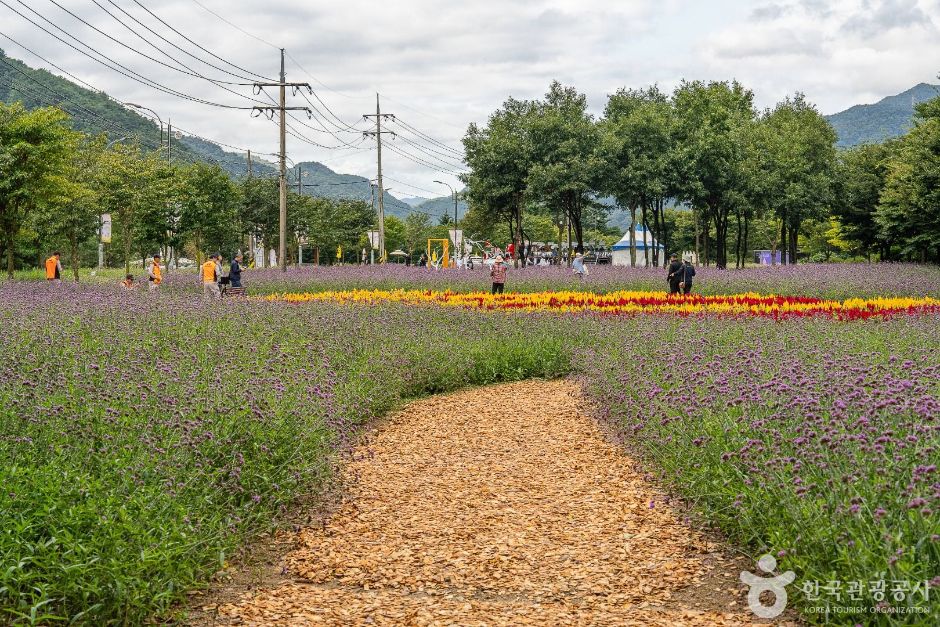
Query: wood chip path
pixel 498 506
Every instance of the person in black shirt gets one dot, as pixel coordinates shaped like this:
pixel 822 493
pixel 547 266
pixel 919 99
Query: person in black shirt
pixel 688 271
pixel 235 271
pixel 675 274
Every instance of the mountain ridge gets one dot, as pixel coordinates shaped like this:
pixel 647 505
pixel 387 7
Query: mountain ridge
pixel 890 117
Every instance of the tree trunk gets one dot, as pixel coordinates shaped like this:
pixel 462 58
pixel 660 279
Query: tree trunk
pixel 632 235
pixel 784 251
pixel 579 224
pixel 745 238
pixel 73 245
pixel 794 236
pixel 721 236
pixel 705 238
pixel 646 244
pixel 663 235
pixel 737 245
pixel 698 238
pixel 11 258
pixel 127 249
pixel 568 249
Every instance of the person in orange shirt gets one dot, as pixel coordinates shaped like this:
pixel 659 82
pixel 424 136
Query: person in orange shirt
pixel 210 278
pixel 128 283
pixel 54 267
pixel 155 272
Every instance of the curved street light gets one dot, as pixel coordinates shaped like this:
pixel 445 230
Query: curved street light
pixel 454 192
pixel 160 120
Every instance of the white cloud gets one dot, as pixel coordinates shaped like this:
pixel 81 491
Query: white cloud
pixel 457 62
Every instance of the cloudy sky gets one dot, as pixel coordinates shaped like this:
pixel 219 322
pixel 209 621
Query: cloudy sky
pixel 440 65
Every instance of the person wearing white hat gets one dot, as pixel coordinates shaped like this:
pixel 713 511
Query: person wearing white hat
pixel 578 267
pixel 498 274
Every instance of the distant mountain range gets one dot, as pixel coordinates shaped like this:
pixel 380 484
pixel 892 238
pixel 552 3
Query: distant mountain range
pixel 95 112
pixel 413 202
pixel 889 117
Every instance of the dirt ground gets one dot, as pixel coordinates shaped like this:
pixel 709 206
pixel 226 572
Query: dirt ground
pixel 503 505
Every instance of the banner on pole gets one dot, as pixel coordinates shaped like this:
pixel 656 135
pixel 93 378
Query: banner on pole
pixel 106 228
pixel 456 236
pixel 374 239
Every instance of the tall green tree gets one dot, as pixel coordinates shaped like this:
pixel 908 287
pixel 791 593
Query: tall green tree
pixel 909 212
pixel 76 218
pixel 711 122
pixel 860 178
pixel 209 209
pixel 565 166
pixel 35 151
pixel 135 188
pixel 500 156
pixel 801 166
pixel 260 210
pixel 637 145
pixel 417 231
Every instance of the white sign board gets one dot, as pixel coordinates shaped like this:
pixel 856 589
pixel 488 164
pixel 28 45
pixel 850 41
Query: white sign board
pixel 374 239
pixel 106 228
pixel 456 236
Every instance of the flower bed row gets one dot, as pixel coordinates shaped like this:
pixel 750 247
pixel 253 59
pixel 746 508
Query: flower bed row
pixel 625 303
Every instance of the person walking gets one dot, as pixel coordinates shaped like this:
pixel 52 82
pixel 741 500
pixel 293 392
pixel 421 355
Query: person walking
pixel 498 275
pixel 578 267
pixel 675 271
pixel 211 273
pixel 688 271
pixel 54 267
pixel 235 271
pixel 155 272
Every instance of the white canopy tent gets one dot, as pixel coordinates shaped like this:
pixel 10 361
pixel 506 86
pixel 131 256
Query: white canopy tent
pixel 644 241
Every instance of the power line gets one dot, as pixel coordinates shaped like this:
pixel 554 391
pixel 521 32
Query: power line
pixel 207 51
pixel 427 115
pixel 419 161
pixel 124 71
pixel 427 137
pixel 430 152
pixel 104 122
pixel 238 28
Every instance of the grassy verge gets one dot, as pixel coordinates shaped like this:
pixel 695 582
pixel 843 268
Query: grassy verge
pixel 140 446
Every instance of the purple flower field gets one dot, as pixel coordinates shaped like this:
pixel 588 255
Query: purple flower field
pixel 147 436
pixel 838 281
pixel 815 441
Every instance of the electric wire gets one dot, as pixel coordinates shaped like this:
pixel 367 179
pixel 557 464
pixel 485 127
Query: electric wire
pixel 207 51
pixel 120 69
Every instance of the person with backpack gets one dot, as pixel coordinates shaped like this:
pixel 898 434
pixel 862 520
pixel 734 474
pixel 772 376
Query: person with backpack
pixel 155 272
pixel 211 274
pixel 688 271
pixel 674 274
pixel 54 267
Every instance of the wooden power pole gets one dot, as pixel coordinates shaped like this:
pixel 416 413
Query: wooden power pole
pixel 378 143
pixel 282 109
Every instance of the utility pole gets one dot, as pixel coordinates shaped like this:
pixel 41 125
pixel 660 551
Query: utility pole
pixel 169 127
pixel 378 141
pixel 282 108
pixel 249 164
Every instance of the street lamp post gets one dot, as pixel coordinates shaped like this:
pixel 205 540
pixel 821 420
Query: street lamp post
pixel 100 243
pixel 160 120
pixel 454 192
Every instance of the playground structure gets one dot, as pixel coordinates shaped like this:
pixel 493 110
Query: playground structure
pixel 442 260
